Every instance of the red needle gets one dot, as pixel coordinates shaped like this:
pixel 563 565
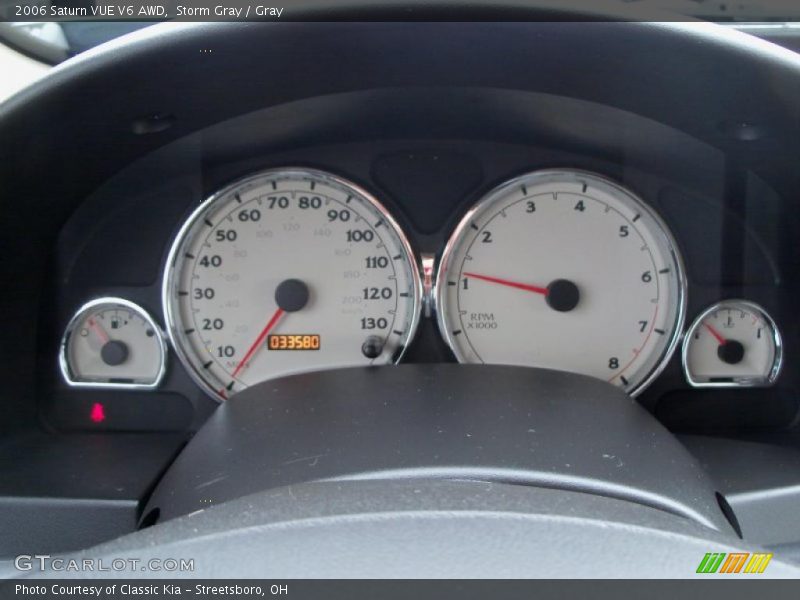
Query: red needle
pixel 716 334
pixel 513 284
pixel 278 314
pixel 99 331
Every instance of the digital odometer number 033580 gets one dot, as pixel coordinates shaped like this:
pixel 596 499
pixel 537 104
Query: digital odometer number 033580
pixel 563 270
pixel 288 260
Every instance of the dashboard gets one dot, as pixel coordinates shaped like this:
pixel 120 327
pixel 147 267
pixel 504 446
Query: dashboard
pixel 366 253
pixel 350 242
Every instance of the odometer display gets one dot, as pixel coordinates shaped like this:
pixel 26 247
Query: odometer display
pixel 563 270
pixel 281 253
pixel 293 341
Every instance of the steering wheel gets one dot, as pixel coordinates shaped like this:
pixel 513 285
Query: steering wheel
pixel 419 470
pixel 469 471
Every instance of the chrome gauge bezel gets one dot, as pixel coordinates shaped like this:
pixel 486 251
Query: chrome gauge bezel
pixel 170 310
pixel 488 199
pixel 94 305
pixel 742 382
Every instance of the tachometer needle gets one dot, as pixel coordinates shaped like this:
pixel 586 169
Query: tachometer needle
pixel 257 344
pixel 716 334
pixel 561 295
pixel 513 284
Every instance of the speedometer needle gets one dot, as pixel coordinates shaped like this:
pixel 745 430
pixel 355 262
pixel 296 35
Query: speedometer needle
pixel 267 328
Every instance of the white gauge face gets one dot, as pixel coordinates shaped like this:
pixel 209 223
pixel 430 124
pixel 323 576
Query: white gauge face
pixel 563 270
pixel 733 343
pixel 111 342
pixel 284 272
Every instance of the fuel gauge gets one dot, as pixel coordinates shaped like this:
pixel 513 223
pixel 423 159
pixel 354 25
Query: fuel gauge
pixel 734 343
pixel 111 342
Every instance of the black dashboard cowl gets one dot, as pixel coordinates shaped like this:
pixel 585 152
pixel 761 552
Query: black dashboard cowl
pixel 528 427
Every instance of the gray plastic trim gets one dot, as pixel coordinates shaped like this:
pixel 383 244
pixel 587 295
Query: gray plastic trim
pixel 425 529
pixel 761 482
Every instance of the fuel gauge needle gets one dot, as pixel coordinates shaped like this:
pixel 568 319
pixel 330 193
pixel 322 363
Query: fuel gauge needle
pixel 98 330
pixel 257 344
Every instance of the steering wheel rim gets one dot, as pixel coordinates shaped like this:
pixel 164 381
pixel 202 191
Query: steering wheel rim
pixel 421 529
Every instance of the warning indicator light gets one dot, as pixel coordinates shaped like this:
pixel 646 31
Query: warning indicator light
pixel 98 414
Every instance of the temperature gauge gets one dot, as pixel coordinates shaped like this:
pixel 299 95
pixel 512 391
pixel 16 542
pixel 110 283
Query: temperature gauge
pixel 733 343
pixel 111 342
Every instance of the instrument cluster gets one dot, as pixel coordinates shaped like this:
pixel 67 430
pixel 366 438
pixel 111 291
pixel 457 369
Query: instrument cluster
pixel 295 269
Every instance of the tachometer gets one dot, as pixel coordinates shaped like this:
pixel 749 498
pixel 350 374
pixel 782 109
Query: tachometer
pixel 288 271
pixel 564 270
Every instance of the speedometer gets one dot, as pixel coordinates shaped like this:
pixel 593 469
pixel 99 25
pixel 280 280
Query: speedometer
pixel 288 271
pixel 563 270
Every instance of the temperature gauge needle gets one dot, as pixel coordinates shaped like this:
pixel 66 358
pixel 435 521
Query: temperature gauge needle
pixel 257 344
pixel 715 333
pixel 728 351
